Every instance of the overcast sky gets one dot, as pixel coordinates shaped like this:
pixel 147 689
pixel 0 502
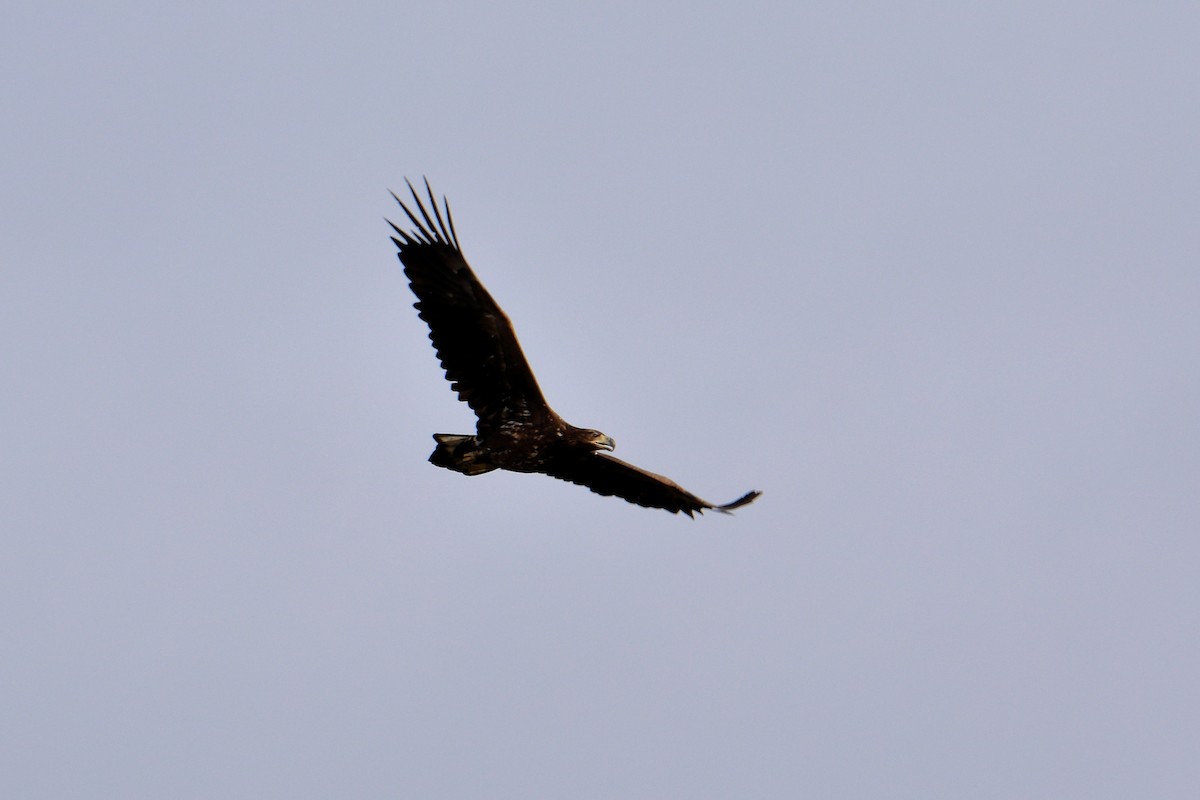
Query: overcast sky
pixel 927 274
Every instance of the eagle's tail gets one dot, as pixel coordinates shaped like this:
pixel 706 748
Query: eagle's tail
pixel 461 454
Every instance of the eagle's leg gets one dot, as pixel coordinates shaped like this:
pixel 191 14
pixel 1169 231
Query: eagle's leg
pixel 461 454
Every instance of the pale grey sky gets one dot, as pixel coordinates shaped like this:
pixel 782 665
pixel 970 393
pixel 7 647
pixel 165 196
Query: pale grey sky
pixel 926 274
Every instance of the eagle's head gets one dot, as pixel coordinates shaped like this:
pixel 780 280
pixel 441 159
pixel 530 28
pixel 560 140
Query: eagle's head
pixel 596 440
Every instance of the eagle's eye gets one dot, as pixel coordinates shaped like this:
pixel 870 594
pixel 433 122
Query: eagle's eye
pixel 602 442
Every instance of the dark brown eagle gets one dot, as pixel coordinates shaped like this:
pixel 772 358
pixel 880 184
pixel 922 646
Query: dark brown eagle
pixel 476 344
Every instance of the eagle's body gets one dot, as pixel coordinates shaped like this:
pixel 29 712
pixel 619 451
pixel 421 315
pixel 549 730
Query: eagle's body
pixel 516 429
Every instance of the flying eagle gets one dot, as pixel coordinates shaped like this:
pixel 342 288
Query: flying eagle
pixel 516 429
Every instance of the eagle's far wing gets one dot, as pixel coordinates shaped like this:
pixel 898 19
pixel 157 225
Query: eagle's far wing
pixel 474 340
pixel 610 476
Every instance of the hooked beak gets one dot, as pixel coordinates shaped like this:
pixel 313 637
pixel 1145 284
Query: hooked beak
pixel 603 442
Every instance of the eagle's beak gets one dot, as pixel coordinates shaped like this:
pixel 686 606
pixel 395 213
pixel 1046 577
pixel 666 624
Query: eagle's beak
pixel 604 443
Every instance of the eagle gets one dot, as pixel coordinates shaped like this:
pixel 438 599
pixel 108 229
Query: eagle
pixel 515 429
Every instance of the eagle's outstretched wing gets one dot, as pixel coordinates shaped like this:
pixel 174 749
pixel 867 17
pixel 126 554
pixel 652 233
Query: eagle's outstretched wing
pixel 474 340
pixel 610 476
